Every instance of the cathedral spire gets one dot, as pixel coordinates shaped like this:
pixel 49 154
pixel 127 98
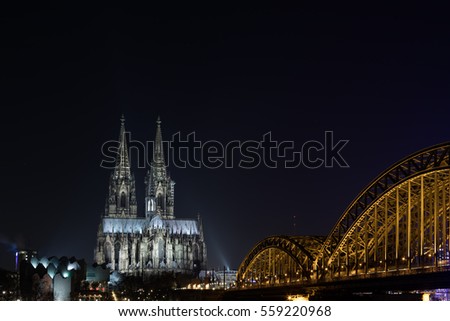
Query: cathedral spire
pixel 122 162
pixel 158 153
pixel 122 190
pixel 160 188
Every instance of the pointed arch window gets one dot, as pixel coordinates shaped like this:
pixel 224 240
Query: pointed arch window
pixel 151 205
pixel 117 247
pixel 108 253
pixel 196 254
pixel 161 250
pixel 160 201
pixel 123 200
pixel 130 253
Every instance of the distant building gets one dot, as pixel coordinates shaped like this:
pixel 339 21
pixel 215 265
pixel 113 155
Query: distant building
pixel 51 278
pixel 24 256
pixel 221 279
pixel 155 242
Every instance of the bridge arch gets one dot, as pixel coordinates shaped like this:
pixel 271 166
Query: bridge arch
pixel 405 229
pixel 399 221
pixel 398 224
pixel 278 260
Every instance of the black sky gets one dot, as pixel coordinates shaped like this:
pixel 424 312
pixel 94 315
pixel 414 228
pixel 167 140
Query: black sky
pixel 377 76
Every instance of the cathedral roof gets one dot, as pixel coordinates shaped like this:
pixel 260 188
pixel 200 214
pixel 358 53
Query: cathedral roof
pixel 139 225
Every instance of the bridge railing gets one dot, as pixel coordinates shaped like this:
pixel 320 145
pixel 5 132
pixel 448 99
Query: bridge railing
pixel 372 275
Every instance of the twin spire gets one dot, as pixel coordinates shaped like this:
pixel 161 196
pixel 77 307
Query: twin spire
pixel 122 161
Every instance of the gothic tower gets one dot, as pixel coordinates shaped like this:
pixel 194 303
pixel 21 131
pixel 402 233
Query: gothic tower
pixel 160 188
pixel 122 191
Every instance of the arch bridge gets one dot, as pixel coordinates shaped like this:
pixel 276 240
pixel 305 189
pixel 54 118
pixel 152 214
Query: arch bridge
pixel 398 224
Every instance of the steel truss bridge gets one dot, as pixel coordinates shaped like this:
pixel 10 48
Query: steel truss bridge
pixel 398 225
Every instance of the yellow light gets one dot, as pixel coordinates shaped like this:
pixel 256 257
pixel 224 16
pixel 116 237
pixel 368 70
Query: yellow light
pixel 426 297
pixel 298 297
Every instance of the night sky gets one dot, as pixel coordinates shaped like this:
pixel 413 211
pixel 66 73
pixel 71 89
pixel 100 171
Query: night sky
pixel 376 76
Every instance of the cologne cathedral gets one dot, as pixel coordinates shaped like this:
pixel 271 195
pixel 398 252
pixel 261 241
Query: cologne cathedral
pixel 155 241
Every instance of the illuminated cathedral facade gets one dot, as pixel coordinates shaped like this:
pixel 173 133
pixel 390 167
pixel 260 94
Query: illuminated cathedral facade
pixel 155 241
